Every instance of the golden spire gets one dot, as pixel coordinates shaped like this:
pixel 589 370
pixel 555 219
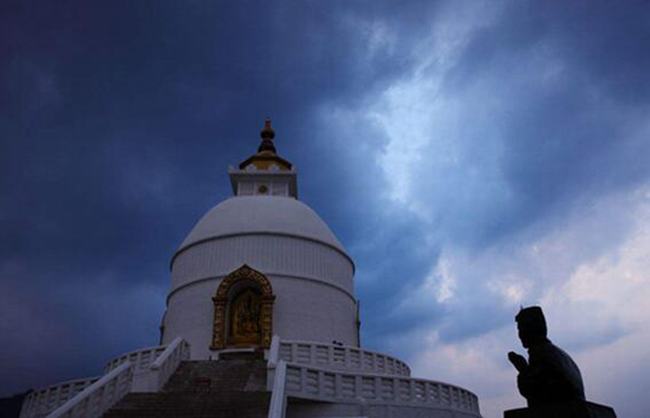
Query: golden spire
pixel 266 156
pixel 267 135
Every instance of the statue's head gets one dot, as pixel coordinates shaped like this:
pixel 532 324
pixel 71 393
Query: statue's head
pixel 531 326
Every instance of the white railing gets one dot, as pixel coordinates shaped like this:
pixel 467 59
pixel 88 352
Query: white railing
pixel 153 366
pixel 364 376
pixel 141 359
pixel 327 385
pixel 278 404
pixel 99 397
pixel 145 370
pixel 274 352
pixel 167 363
pixel 331 356
pixel 43 401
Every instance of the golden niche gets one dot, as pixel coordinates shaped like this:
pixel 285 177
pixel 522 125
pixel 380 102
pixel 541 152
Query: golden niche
pixel 245 319
pixel 243 310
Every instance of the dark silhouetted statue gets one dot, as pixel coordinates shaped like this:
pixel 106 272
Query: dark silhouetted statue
pixel 549 375
pixel 549 380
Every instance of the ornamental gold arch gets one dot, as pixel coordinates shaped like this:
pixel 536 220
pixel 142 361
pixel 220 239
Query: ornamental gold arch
pixel 220 299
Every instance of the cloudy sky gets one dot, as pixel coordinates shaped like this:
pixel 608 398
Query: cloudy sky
pixel 472 157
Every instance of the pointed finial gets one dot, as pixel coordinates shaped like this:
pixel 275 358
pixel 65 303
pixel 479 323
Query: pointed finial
pixel 267 132
pixel 267 135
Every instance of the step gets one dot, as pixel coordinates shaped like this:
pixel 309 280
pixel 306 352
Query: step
pixel 214 376
pixel 229 388
pixel 225 405
pixel 242 355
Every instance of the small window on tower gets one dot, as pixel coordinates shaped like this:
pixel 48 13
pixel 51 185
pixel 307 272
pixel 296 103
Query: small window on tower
pixel 279 189
pixel 246 188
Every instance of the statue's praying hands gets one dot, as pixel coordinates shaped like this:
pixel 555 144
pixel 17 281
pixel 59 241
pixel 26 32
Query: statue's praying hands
pixel 518 361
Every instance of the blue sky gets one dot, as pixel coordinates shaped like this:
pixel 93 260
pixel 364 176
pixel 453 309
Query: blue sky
pixel 472 156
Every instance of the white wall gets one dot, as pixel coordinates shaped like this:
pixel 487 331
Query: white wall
pixel 312 283
pixel 269 254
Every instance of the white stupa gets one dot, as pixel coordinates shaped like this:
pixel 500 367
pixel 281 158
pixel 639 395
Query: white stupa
pixel 261 273
pixel 291 250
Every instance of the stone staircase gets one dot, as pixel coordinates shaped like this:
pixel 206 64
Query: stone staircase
pixel 233 387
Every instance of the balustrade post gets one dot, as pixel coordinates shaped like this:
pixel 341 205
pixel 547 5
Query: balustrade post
pixel 377 387
pixel 39 401
pixel 319 383
pixel 330 354
pixel 426 392
pixel 358 387
pixel 303 380
pixel 56 395
pixel 338 386
pixel 396 396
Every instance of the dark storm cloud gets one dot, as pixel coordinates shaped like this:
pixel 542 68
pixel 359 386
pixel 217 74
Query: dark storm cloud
pixel 52 327
pixel 566 127
pixel 565 130
pixel 574 139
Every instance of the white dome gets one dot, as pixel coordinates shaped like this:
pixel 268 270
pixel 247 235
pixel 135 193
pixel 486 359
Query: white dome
pixel 309 271
pixel 261 214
